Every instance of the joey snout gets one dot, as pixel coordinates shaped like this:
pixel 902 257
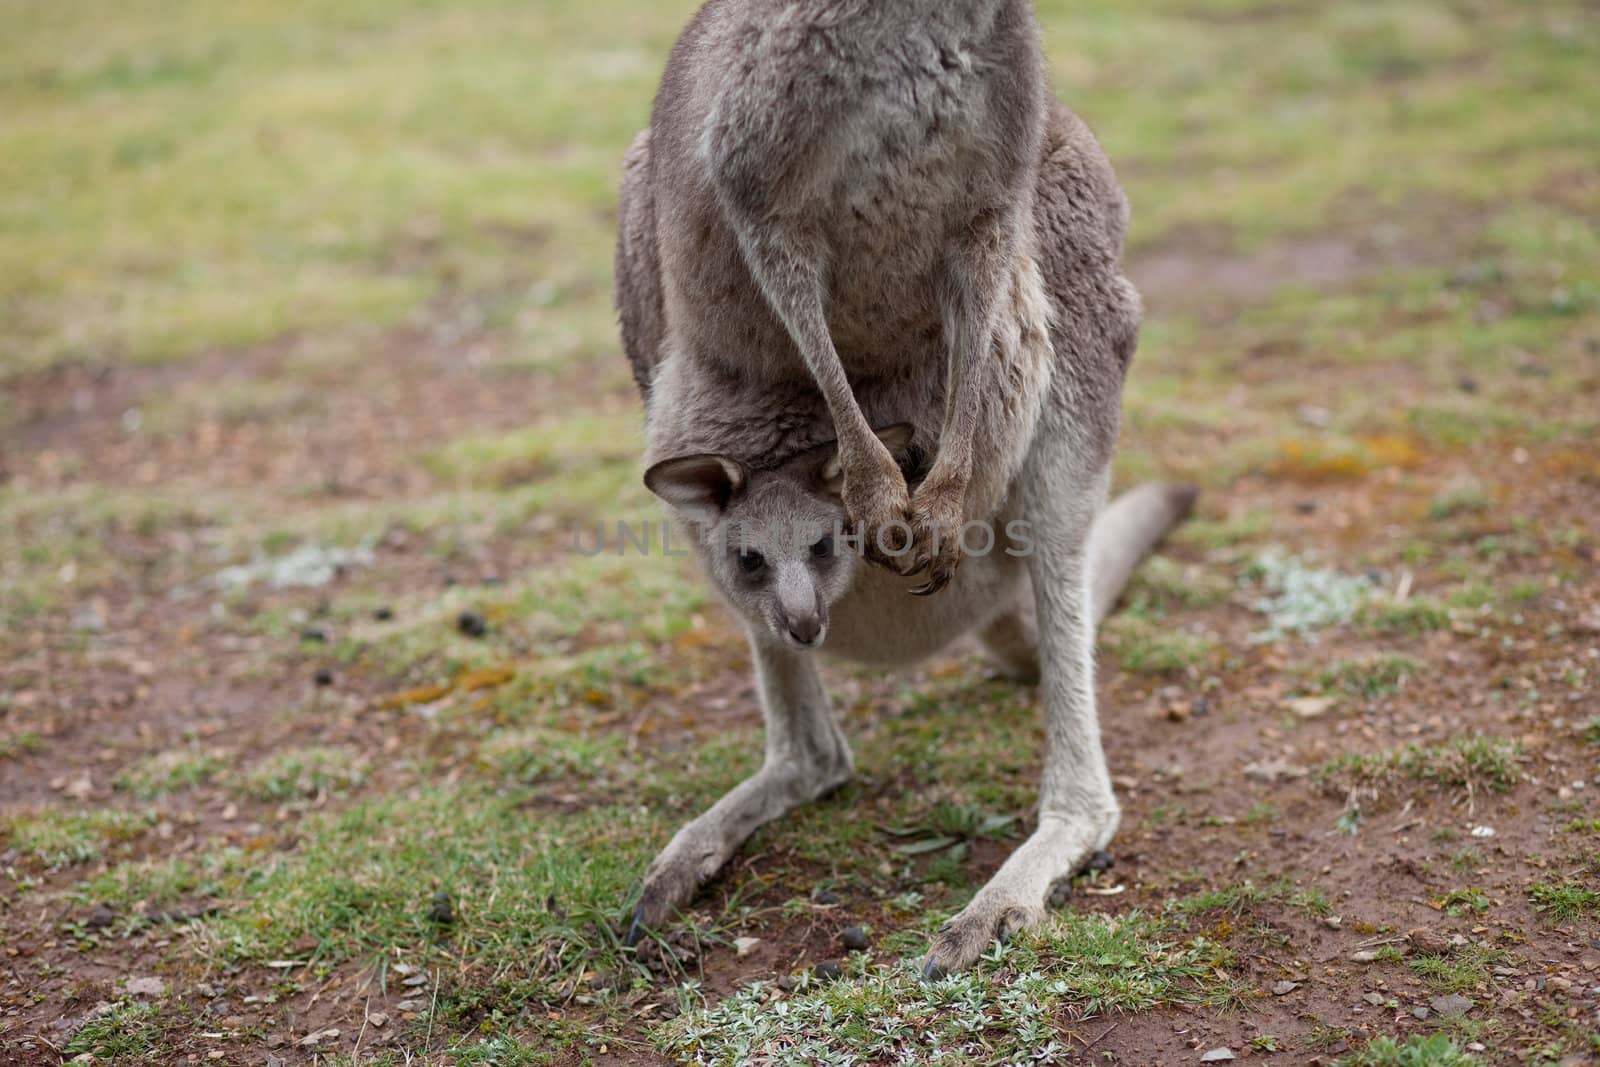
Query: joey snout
pixel 802 618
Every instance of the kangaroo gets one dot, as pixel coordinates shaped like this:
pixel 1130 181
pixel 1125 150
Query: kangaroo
pixel 849 214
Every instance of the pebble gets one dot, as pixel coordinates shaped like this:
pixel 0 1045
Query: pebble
pixel 441 911
pixel 146 987
pixel 472 624
pixel 1420 1012
pixel 410 1005
pixel 315 634
pixel 828 971
pixel 415 980
pixel 324 677
pixel 1283 989
pixel 1218 1055
pixel 384 615
pixel 855 939
pixel 1451 1006
pixel 1377 1000
pixel 318 1038
pixel 745 945
pixel 102 916
pixel 827 898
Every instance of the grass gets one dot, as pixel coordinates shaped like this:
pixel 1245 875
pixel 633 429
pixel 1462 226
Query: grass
pixel 125 1033
pixel 303 773
pixel 1566 903
pixel 61 838
pixel 20 744
pixel 1370 677
pixel 1239 900
pixel 1145 647
pixel 1078 965
pixel 1433 1050
pixel 1471 764
pixel 1461 972
pixel 167 772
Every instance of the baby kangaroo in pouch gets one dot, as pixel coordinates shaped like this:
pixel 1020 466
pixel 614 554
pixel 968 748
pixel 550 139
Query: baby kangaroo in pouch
pixel 869 282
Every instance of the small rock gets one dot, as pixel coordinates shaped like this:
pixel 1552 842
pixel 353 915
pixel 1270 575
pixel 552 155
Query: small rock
pixel 1313 415
pixel 441 911
pixel 854 939
pixel 828 971
pixel 1420 1012
pixel 1451 1006
pixel 1218 1055
pixel 1333 922
pixel 1306 507
pixel 1429 943
pixel 472 624
pixel 410 1005
pixel 145 987
pixel 1483 831
pixel 273 1061
pixel 827 898
pixel 1377 1000
pixel 1283 989
pixel 414 981
pixel 324 678
pixel 383 615
pixel 321 1037
pixel 1273 771
pixel 1560 985
pixel 101 917
pixel 745 945
pixel 1310 707
pixel 314 634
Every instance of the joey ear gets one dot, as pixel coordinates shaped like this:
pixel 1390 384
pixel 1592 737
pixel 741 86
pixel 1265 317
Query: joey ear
pixel 699 487
pixel 896 438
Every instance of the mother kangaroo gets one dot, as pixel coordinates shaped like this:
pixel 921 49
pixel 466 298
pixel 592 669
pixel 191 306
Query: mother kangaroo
pixel 853 215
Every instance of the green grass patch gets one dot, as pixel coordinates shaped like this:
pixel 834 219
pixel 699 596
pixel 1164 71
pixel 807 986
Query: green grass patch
pixel 1010 1005
pixel 20 744
pixel 1236 901
pixel 540 894
pixel 1417 615
pixel 62 838
pixel 1370 677
pixel 1462 972
pixel 1472 763
pixel 303 773
pixel 167 772
pixel 1434 1050
pixel 1567 902
pixel 1146 647
pixel 126 1032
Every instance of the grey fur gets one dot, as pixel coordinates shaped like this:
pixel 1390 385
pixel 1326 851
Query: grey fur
pixel 850 214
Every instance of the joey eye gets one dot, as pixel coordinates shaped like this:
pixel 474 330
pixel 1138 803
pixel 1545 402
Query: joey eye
pixel 751 562
pixel 823 548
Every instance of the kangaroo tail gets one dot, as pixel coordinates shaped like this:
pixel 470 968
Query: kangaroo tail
pixel 1127 530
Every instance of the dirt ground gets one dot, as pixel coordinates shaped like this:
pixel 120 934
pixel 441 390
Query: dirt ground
pixel 227 809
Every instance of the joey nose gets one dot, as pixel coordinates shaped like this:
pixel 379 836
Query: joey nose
pixel 805 628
